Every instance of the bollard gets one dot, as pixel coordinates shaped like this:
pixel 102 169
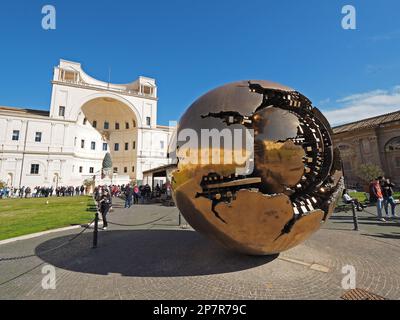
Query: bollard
pixel 179 220
pixel 96 229
pixel 355 220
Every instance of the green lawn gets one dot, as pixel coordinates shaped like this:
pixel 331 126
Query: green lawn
pixel 360 196
pixel 24 216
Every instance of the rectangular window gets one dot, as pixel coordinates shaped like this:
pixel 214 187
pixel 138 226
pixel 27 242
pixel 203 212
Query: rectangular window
pixel 15 135
pixel 91 170
pixel 117 126
pixel 115 170
pixel 82 143
pixel 148 121
pixel 106 125
pixel 162 145
pixel 134 145
pixel 94 125
pixel 126 146
pixel 116 147
pixel 126 125
pixel 84 121
pixel 125 169
pixel 93 145
pixel 104 146
pixel 80 169
pixel 38 137
pixel 133 169
pixel 34 169
pixel 61 111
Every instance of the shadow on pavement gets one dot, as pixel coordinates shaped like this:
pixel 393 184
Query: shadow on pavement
pixel 147 253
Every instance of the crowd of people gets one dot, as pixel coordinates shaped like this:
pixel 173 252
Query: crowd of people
pixel 133 194
pixel 39 192
pixel 380 194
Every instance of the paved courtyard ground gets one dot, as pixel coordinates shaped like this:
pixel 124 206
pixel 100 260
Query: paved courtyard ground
pixel 160 260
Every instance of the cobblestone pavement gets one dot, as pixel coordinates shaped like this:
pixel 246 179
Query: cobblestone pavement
pixel 163 261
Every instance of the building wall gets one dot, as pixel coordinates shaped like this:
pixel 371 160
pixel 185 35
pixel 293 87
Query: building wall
pixel 61 158
pixel 368 146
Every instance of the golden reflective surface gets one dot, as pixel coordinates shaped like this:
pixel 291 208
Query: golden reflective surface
pixel 291 192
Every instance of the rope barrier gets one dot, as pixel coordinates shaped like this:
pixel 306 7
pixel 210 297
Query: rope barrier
pixel 49 250
pixel 41 253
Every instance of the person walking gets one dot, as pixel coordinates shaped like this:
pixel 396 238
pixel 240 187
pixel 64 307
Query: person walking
pixel 377 194
pixel 105 205
pixel 387 191
pixel 128 196
pixel 136 194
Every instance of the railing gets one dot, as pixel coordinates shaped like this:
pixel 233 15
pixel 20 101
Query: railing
pixel 108 88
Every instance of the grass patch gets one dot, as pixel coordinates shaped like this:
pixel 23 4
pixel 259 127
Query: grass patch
pixel 360 196
pixel 25 216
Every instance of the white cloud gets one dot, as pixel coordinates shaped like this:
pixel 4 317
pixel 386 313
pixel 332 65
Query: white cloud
pixel 364 105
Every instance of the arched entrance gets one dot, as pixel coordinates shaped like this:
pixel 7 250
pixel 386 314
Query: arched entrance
pixel 117 124
pixel 392 155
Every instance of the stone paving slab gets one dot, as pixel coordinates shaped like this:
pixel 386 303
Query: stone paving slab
pixel 163 261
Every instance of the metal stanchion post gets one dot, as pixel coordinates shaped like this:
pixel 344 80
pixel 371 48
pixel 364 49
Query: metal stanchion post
pixel 179 220
pixel 96 229
pixel 355 219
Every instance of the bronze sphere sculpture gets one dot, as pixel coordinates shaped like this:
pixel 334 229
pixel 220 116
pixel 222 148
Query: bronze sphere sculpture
pixel 286 183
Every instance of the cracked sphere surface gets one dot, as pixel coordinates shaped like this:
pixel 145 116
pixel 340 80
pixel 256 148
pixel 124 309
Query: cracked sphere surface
pixel 276 196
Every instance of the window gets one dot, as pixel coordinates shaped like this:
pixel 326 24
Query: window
pixel 115 170
pixel 134 145
pixel 125 169
pixel 126 125
pixel 82 143
pixel 116 146
pixel 61 111
pixel 147 90
pixel 75 142
pixel 133 169
pixel 80 169
pixel 162 145
pixel 34 168
pixel 104 146
pixel 134 123
pixel 126 146
pixel 38 137
pixel 15 135
pixel 91 170
pixel 93 145
pixel 106 125
pixel 117 126
pixel 84 121
pixel 346 166
pixel 148 121
pixel 94 125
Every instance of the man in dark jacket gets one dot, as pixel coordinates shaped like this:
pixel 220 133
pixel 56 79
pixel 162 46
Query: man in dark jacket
pixel 105 205
pixel 387 191
pixel 128 196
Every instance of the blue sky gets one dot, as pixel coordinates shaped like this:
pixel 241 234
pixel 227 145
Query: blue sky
pixel 191 47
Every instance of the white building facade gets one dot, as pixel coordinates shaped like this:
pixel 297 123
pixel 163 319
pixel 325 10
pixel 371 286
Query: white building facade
pixel 87 119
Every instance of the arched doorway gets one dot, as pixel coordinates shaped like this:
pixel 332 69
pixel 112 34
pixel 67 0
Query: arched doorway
pixel 392 156
pixel 10 180
pixel 117 124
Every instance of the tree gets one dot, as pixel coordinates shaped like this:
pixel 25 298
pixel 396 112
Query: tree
pixel 2 184
pixel 88 183
pixel 369 171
